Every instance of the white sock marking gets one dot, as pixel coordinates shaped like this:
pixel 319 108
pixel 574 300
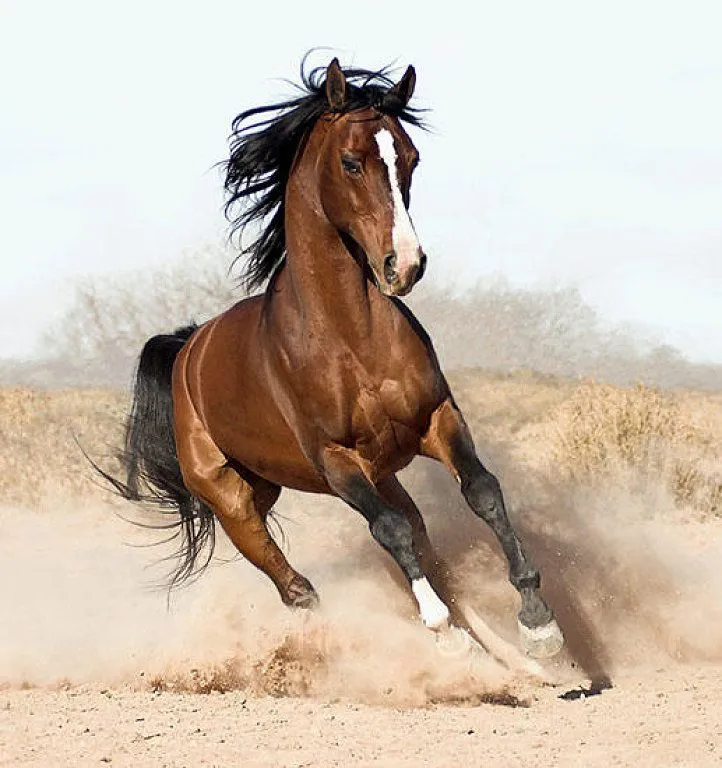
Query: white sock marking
pixel 433 612
pixel 406 244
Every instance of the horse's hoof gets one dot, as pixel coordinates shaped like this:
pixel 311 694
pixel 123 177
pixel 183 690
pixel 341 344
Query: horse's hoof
pixel 301 594
pixel 308 602
pixel 541 642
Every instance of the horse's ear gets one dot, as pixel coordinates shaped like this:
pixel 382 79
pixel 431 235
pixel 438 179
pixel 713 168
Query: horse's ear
pixel 335 86
pixel 404 89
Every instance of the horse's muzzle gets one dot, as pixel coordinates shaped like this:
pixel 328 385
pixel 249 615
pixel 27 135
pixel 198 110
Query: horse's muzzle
pixel 402 278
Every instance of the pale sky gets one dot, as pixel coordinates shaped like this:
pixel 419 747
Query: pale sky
pixel 574 143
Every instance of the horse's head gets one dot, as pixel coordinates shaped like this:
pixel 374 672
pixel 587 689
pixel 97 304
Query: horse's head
pixel 366 161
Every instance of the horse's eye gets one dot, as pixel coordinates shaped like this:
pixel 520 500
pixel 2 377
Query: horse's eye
pixel 351 166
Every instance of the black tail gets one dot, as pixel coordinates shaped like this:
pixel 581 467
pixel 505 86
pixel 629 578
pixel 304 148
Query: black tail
pixel 150 461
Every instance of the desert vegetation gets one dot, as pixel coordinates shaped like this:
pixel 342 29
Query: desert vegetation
pixel 672 440
pixel 587 432
pixel 490 325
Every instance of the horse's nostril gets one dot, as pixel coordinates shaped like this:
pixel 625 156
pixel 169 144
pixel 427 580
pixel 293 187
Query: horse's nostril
pixel 390 268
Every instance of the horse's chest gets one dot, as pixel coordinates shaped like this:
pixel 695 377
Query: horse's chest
pixel 387 425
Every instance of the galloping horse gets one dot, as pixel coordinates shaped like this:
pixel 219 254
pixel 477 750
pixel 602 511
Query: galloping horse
pixel 325 382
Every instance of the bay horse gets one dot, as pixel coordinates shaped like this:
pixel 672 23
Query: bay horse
pixel 325 382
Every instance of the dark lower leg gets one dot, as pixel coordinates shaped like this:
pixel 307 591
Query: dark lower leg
pixel 432 565
pixel 448 440
pixel 483 494
pixel 388 526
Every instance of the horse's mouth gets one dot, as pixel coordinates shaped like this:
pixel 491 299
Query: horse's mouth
pixel 384 286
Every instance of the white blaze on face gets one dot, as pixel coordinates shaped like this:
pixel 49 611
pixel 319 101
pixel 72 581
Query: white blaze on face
pixel 434 613
pixel 405 242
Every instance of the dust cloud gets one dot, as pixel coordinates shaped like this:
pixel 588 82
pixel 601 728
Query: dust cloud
pixel 82 611
pixel 632 578
pixel 75 585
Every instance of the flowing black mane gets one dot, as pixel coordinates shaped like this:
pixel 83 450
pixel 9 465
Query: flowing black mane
pixel 262 153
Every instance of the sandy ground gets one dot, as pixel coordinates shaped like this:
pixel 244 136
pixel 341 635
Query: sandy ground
pixel 664 717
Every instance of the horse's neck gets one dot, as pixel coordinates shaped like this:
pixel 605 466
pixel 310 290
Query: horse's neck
pixel 326 283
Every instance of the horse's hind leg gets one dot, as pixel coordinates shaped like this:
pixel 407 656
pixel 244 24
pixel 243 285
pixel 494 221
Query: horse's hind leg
pixel 448 440
pixel 241 502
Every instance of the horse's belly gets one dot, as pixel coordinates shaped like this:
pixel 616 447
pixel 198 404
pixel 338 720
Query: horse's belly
pixel 256 436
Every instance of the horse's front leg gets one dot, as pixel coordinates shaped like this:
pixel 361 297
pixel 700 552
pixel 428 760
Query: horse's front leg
pixel 390 527
pixel 449 441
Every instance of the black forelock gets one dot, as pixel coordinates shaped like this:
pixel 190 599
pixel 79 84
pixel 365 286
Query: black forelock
pixel 264 142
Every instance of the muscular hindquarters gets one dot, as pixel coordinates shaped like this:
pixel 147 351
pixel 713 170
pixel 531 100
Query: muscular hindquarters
pixel 228 380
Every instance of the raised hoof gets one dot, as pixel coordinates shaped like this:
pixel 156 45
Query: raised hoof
pixel 301 594
pixel 541 642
